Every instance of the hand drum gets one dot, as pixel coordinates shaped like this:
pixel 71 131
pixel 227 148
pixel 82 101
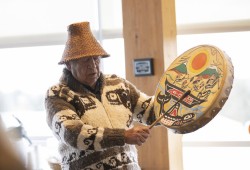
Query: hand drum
pixel 208 73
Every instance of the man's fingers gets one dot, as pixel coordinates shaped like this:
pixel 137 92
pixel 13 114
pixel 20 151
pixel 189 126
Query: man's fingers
pixel 144 135
pixel 137 135
pixel 140 140
pixel 146 130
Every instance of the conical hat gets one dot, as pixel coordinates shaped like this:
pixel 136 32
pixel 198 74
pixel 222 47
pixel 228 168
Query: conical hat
pixel 81 43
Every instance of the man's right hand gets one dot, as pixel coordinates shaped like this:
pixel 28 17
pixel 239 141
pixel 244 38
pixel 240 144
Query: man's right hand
pixel 137 135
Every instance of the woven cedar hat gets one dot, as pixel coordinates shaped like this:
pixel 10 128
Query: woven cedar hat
pixel 81 43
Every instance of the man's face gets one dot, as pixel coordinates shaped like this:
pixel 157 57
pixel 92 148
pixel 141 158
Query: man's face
pixel 86 70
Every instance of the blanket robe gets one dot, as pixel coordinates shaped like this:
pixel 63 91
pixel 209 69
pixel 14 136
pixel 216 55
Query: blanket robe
pixel 91 129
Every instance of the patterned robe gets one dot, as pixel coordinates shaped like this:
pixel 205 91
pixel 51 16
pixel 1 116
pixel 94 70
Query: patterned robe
pixel 90 127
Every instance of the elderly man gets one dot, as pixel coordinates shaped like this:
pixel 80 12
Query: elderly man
pixel 92 114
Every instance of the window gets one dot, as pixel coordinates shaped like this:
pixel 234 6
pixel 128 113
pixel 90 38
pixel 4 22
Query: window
pixel 35 17
pixel 32 42
pixel 224 142
pixel 25 82
pixel 24 75
pixel 115 47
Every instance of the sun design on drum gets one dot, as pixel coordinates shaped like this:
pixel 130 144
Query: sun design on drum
pixel 199 62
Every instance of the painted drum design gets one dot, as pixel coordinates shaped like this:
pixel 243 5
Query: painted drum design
pixel 206 71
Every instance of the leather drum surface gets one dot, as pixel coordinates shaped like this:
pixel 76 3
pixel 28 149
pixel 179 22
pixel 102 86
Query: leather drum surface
pixel 205 70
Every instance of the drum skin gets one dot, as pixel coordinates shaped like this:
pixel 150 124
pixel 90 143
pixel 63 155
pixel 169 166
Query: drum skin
pixel 206 71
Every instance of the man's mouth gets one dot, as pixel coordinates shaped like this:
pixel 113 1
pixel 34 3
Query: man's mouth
pixel 93 74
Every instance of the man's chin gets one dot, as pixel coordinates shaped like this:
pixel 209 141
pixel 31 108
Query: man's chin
pixel 93 81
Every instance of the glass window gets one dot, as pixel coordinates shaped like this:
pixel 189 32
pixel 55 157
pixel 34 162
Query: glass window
pixel 199 11
pixel 115 64
pixel 27 72
pixel 224 141
pixel 216 158
pixel 111 14
pixel 27 17
pixel 24 82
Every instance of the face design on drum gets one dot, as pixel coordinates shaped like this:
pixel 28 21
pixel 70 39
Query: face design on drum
pixel 172 116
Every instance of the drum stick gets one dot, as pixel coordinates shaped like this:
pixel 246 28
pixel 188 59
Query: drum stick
pixel 182 97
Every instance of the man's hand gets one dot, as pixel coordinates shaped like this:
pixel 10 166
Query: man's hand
pixel 137 135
